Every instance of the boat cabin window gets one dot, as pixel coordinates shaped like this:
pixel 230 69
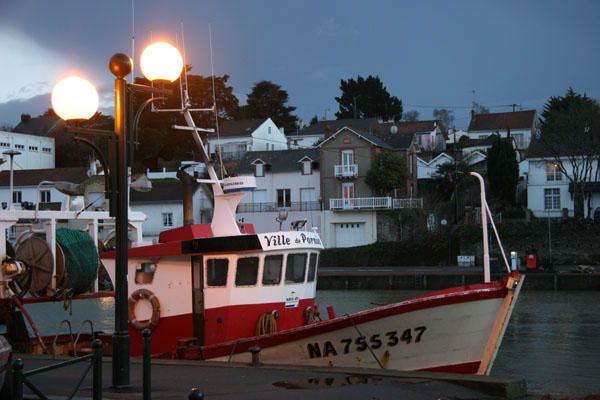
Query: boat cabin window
pixel 312 267
pixel 247 271
pixel 144 273
pixel 296 268
pixel 216 271
pixel 272 270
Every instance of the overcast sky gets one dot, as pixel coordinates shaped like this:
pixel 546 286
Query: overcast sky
pixel 428 53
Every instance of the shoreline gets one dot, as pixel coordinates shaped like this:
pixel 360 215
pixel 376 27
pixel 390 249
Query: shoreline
pixel 433 278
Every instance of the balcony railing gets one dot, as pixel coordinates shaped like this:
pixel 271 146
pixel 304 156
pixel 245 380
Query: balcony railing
pixel 360 203
pixel 373 203
pixel 270 207
pixel 345 171
pixel 408 203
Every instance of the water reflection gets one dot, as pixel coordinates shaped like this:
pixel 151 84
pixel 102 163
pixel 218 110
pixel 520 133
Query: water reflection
pixel 552 340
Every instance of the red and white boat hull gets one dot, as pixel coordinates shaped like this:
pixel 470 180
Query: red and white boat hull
pixel 455 330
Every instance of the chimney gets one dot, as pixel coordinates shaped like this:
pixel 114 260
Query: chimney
pixel 188 205
pixel 25 118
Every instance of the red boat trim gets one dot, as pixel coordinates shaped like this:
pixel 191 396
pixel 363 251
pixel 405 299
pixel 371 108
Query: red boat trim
pixel 46 299
pixel 457 295
pixel 464 368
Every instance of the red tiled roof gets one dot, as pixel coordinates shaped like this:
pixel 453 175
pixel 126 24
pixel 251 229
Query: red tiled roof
pixel 32 177
pixel 502 121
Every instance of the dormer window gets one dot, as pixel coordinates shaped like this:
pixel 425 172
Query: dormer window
pixel 259 169
pixel 306 167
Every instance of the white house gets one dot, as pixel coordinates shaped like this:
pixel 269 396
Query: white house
pixel 522 125
pixel 235 138
pixel 27 190
pixel 163 206
pixel 426 169
pixel 36 152
pixel 286 180
pixel 549 191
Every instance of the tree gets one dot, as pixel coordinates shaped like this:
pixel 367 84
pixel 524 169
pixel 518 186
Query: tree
pixel 313 121
pixel 480 108
pixel 367 98
pixel 387 173
pixel 503 171
pixel 411 116
pixel 268 100
pixel 157 140
pixel 446 116
pixel 570 133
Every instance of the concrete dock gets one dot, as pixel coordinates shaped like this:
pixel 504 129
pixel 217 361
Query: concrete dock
pixel 174 379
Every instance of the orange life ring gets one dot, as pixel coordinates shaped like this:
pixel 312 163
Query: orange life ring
pixel 144 294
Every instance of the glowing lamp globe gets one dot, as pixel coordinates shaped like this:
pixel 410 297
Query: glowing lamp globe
pixel 161 61
pixel 74 98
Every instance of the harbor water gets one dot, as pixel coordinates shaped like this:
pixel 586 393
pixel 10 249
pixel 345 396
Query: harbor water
pixel 552 341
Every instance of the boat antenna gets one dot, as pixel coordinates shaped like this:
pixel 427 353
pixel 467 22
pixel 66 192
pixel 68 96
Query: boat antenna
pixel 181 83
pixel 185 100
pixel 212 72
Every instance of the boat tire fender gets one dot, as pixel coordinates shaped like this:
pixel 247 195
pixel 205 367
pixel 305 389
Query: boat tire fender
pixel 144 294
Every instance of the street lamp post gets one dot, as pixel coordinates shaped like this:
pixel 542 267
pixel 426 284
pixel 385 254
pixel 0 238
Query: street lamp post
pixel 121 65
pixel 160 61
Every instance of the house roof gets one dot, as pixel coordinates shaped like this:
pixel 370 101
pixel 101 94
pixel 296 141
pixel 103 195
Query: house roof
pixel 366 136
pixel 581 146
pixel 487 141
pixel 243 127
pixel 32 177
pixel 329 127
pixel 162 191
pixel 279 160
pixel 39 126
pixel 502 121
pixel 412 126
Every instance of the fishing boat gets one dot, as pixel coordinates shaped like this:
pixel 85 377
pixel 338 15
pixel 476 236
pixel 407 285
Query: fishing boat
pixel 221 291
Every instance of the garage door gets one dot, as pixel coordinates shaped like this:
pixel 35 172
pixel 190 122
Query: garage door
pixel 349 234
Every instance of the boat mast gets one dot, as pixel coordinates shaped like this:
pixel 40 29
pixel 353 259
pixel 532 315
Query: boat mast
pixel 484 227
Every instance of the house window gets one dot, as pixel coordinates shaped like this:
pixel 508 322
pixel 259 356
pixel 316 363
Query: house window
pixel 17 197
pixel 284 197
pixel 552 199
pixel 20 146
pixel 33 148
pixel 306 168
pixel 553 172
pixel 44 196
pixel 347 157
pixel 167 219
pixel 269 130
pixel 259 169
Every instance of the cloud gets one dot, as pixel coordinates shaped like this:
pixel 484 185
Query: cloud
pixel 10 111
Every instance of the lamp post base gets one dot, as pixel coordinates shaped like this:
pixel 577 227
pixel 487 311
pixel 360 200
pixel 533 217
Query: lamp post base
pixel 120 360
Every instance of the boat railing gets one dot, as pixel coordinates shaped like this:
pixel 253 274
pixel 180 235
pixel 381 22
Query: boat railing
pixel 68 323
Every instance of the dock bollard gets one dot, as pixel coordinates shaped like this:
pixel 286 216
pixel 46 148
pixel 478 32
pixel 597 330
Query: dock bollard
pixel 255 350
pixel 147 365
pixel 17 367
pixel 97 370
pixel 196 394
